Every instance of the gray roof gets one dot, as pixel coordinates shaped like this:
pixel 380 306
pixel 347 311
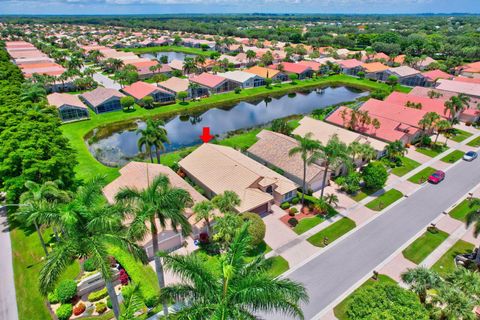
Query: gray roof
pixel 100 95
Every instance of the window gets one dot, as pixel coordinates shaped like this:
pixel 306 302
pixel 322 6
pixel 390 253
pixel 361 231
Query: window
pixel 288 195
pixel 269 190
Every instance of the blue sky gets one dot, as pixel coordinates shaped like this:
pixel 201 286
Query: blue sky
pixel 235 6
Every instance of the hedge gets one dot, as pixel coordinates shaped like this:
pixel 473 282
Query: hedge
pixel 66 290
pixel 64 312
pixel 88 265
pixel 256 228
pixel 97 295
pixel 100 307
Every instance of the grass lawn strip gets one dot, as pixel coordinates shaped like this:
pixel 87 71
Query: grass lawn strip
pixel 446 263
pixel 187 50
pixel 461 210
pixel 407 166
pixel 278 266
pixel 432 151
pixel 422 176
pixel 332 232
pixel 461 135
pixel 306 224
pixel 424 245
pixel 88 166
pixel 453 157
pixel 474 143
pixel 383 201
pixel 362 194
pixel 340 309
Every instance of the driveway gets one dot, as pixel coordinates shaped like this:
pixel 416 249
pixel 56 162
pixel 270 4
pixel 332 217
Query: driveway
pixel 106 81
pixel 8 301
pixel 345 264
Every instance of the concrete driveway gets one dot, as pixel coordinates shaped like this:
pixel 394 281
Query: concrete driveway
pixel 106 81
pixel 277 233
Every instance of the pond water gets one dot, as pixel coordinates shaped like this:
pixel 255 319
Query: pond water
pixel 117 144
pixel 170 54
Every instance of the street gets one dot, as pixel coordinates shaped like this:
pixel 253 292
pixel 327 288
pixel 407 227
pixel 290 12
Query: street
pixel 334 271
pixel 8 302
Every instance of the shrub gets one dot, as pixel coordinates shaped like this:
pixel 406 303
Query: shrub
pixel 293 210
pixel 292 222
pixel 88 265
pixel 109 303
pixel 100 307
pixel 66 290
pixel 53 298
pixel 285 205
pixel 375 175
pixel 295 200
pixel 64 312
pixel 97 295
pixel 123 277
pixel 350 183
pixel 256 228
pixel 79 309
pixel 237 90
pixel 426 141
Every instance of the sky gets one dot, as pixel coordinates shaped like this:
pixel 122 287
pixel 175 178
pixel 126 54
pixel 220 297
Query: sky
pixel 80 7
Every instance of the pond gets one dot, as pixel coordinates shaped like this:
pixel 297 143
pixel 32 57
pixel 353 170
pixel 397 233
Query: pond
pixel 170 54
pixel 117 144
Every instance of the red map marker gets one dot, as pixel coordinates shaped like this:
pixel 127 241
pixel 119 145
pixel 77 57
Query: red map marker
pixel 206 136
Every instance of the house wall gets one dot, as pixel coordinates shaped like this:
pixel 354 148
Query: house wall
pixel 72 113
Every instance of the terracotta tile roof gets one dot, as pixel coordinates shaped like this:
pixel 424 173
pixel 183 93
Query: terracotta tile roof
pixel 140 89
pixel 469 80
pixel 349 64
pixel 207 79
pixel 291 67
pixel 399 59
pixel 428 105
pixel 60 99
pixel 312 64
pixel 424 91
pixel 434 75
pixel 374 67
pixel 263 72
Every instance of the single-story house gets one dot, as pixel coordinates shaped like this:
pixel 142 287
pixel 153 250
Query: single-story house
pixel 425 63
pixel 217 169
pixel 176 65
pixel 102 99
pixel 375 71
pixel 243 78
pixel 139 175
pixel 432 76
pixel 140 90
pixel 176 85
pixel 350 67
pixel 212 83
pixel 407 76
pixel 69 106
pixel 467 88
pixel 267 73
pixel 314 65
pixel 427 104
pixel 272 150
pixel 470 70
pixel 301 70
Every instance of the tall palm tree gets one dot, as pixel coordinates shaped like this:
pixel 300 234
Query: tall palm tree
pixel 334 153
pixel 450 109
pixel 428 121
pixel 147 139
pixel 236 289
pixel 454 304
pixel 34 93
pixel 308 149
pixel 367 152
pixel 466 280
pixel 189 65
pixel 420 280
pixel 441 126
pixel 89 226
pixel 395 150
pixel 354 149
pixel 204 211
pixel 226 202
pixel 473 218
pixel 160 136
pixel 159 201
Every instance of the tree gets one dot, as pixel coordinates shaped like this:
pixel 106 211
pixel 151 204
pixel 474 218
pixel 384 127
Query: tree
pixel 333 154
pixel 226 202
pixel 281 126
pixel 420 280
pixel 268 82
pixel 33 93
pixel 374 175
pixel 441 126
pixel 267 58
pixel 256 228
pixel 235 289
pixel 453 304
pixel 293 77
pixel 204 211
pixel 159 201
pixel 395 150
pixel 354 149
pixel 250 55
pixel 147 102
pixel 89 226
pixel 153 136
pixel 428 121
pixel 392 80
pixel 132 301
pixel 332 199
pixel 182 95
pixel 189 65
pixel 127 102
pixel 309 151
pixel 473 218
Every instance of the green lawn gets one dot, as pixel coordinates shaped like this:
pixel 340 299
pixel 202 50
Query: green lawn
pixel 432 151
pixel 278 265
pixel 308 223
pixel 422 176
pixel 460 135
pixel 453 156
pixel 461 210
pixel 384 200
pixel 407 166
pixel 332 232
pixel 340 309
pixel 242 140
pixel 424 245
pixel 182 49
pixel 88 166
pixel 474 143
pixel 362 194
pixel 446 263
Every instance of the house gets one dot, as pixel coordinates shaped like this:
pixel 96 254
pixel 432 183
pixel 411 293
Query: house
pixel 432 76
pixel 209 83
pixel 350 67
pixel 139 175
pixel 102 99
pixel 301 70
pixel 268 73
pixel 140 90
pixel 175 85
pixel 69 106
pixel 272 150
pixel 407 76
pixel 425 63
pixel 314 65
pixel 400 59
pixel 244 79
pixel 458 87
pixel 470 70
pixel 375 71
pixel 426 104
pixel 217 169
pixel 176 65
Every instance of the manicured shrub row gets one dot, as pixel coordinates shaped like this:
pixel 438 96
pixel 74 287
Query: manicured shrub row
pixel 97 295
pixel 100 307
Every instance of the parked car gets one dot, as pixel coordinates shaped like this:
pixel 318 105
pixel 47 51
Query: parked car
pixel 470 156
pixel 436 177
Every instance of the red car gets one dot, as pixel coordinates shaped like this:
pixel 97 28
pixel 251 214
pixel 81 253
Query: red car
pixel 436 177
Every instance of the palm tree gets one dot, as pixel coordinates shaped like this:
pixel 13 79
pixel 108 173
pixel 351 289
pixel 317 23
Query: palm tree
pixel 159 201
pixel 189 65
pixel 450 108
pixel 467 281
pixel 132 301
pixel 226 202
pixel 250 55
pixel 354 149
pixel 200 61
pixel 454 304
pixel 235 289
pixel 333 154
pixel 160 136
pixel 308 149
pixel 89 227
pixel 428 121
pixel 204 211
pixel 441 126
pixel 395 149
pixel 473 218
pixel 420 280
pixel 367 152
pixel 34 93
pixel 332 199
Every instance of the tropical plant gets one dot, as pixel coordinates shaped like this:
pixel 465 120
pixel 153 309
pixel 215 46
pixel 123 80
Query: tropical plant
pixel 473 218
pixel 256 227
pixel 395 150
pixel 153 137
pixel 375 175
pixel 182 95
pixel 420 280
pixel 309 151
pixel 237 290
pixel 161 202
pixel 281 126
pixel 132 301
pixel 226 202
pixel 33 93
pixel 441 126
pixel 333 154
pixel 452 303
pixel 204 211
pixel 332 199
pixel 89 226
pixel 127 102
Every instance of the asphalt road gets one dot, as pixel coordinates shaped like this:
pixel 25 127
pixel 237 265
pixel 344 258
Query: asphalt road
pixel 333 272
pixel 8 303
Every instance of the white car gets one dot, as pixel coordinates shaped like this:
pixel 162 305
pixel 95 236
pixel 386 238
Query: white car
pixel 470 156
